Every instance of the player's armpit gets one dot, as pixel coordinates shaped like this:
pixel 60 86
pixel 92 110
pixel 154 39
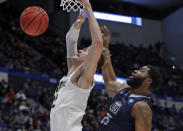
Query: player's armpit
pixel 143 116
pixel 113 87
pixel 70 63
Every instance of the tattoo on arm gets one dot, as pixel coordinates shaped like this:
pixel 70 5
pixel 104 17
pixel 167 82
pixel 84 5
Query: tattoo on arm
pixel 145 113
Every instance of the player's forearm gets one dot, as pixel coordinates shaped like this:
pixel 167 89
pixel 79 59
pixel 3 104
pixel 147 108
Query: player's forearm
pixel 71 41
pixel 73 34
pixel 109 77
pixel 108 71
pixel 95 31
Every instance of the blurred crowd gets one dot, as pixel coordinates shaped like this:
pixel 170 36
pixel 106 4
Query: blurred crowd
pixel 27 108
pixel 24 109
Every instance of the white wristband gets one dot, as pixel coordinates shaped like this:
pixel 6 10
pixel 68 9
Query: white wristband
pixel 71 42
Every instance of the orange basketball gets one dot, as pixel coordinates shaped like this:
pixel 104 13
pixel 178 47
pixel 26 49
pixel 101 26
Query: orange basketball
pixel 34 21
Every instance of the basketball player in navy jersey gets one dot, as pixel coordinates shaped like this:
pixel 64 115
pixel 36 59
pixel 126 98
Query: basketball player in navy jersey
pixel 130 109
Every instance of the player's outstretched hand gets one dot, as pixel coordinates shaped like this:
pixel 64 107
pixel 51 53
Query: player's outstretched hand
pixel 81 18
pixel 106 35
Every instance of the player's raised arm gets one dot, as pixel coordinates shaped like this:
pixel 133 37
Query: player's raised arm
pixel 72 38
pixel 143 116
pixel 94 51
pixel 108 73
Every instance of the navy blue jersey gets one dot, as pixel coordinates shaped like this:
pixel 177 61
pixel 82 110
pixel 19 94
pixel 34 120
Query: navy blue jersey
pixel 118 116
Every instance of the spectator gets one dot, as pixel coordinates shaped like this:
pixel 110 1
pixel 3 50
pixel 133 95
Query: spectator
pixel 20 95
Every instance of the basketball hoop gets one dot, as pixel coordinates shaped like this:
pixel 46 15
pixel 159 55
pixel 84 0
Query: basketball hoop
pixel 69 5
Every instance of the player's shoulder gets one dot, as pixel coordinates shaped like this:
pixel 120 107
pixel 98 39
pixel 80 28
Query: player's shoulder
pixel 142 104
pixel 141 107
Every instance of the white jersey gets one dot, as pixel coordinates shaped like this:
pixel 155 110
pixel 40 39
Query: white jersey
pixel 69 106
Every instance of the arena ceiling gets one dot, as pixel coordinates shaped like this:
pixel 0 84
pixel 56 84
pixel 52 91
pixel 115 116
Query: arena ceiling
pixel 156 4
pixel 152 9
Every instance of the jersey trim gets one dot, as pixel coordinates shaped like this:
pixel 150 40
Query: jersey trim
pixel 136 95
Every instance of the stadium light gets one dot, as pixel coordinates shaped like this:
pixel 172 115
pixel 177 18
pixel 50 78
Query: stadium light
pixel 99 79
pixel 117 18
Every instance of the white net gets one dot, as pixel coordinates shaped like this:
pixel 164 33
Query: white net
pixel 69 5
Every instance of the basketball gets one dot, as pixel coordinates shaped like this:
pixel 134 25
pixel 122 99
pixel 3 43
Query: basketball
pixel 34 21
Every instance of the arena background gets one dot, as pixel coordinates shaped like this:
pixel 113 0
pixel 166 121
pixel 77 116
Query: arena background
pixel 30 67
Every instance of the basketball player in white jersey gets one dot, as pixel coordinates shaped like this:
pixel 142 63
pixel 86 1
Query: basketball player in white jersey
pixel 73 91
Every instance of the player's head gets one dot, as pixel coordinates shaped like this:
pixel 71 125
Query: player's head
pixel 82 55
pixel 147 77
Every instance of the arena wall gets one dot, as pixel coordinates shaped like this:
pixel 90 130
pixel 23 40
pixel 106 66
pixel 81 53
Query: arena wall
pixel 173 35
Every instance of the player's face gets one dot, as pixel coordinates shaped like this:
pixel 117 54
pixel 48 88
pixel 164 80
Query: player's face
pixel 82 54
pixel 138 77
pixel 143 72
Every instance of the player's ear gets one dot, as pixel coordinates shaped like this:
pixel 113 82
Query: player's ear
pixel 147 82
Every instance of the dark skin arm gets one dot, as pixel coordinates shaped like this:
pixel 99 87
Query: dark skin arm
pixel 108 73
pixel 143 116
